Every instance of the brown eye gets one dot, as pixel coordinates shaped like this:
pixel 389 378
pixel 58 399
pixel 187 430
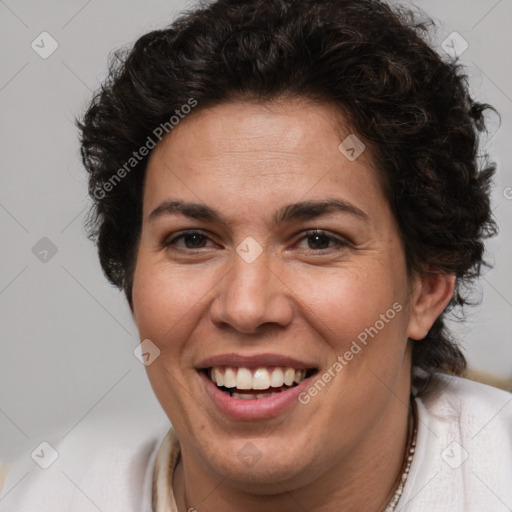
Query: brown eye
pixel 191 240
pixel 320 240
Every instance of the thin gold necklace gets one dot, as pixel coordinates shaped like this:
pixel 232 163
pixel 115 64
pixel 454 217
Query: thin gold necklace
pixel 409 454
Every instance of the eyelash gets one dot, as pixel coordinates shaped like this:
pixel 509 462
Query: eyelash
pixel 310 233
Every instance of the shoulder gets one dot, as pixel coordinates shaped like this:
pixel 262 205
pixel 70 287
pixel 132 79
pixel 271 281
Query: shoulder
pixel 463 459
pixel 96 468
pixel 457 398
pixel 474 415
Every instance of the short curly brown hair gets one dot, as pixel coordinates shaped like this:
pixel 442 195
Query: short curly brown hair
pixel 410 104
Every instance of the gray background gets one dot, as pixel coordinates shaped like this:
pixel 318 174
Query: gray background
pixel 67 337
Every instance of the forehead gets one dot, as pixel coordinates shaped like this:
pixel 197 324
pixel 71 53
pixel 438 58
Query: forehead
pixel 288 127
pixel 259 152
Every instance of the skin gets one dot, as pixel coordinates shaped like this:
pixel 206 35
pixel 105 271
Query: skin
pixel 303 296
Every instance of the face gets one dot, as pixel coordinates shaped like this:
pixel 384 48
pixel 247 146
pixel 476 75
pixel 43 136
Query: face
pixel 265 250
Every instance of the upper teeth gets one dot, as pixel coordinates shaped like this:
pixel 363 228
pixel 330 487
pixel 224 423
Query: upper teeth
pixel 259 378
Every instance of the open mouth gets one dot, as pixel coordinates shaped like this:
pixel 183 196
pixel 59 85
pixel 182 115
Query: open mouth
pixel 253 383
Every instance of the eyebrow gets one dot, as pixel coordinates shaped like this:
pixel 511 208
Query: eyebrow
pixel 303 210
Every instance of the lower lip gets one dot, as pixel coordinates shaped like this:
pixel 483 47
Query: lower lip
pixel 257 408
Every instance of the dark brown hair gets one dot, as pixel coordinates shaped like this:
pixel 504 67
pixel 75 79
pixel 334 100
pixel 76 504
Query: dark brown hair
pixel 407 102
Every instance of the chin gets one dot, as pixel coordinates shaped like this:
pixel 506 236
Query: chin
pixel 263 464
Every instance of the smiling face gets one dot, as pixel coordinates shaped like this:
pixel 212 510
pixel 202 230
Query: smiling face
pixel 240 280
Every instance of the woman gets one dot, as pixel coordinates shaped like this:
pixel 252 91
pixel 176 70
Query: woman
pixel 289 194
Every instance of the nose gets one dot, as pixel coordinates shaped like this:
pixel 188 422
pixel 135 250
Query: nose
pixel 252 295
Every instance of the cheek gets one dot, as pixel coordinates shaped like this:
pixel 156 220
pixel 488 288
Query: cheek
pixel 166 304
pixel 348 300
pixel 166 300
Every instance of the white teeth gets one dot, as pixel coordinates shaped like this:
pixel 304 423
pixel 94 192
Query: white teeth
pixel 241 396
pixel 277 378
pixel 289 376
pixel 218 377
pixel 264 395
pixel 229 378
pixel 258 379
pixel 244 378
pixel 251 396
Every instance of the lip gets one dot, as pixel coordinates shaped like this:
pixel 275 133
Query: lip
pixel 254 361
pixel 256 409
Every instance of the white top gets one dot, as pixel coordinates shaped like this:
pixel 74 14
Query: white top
pixel 462 463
